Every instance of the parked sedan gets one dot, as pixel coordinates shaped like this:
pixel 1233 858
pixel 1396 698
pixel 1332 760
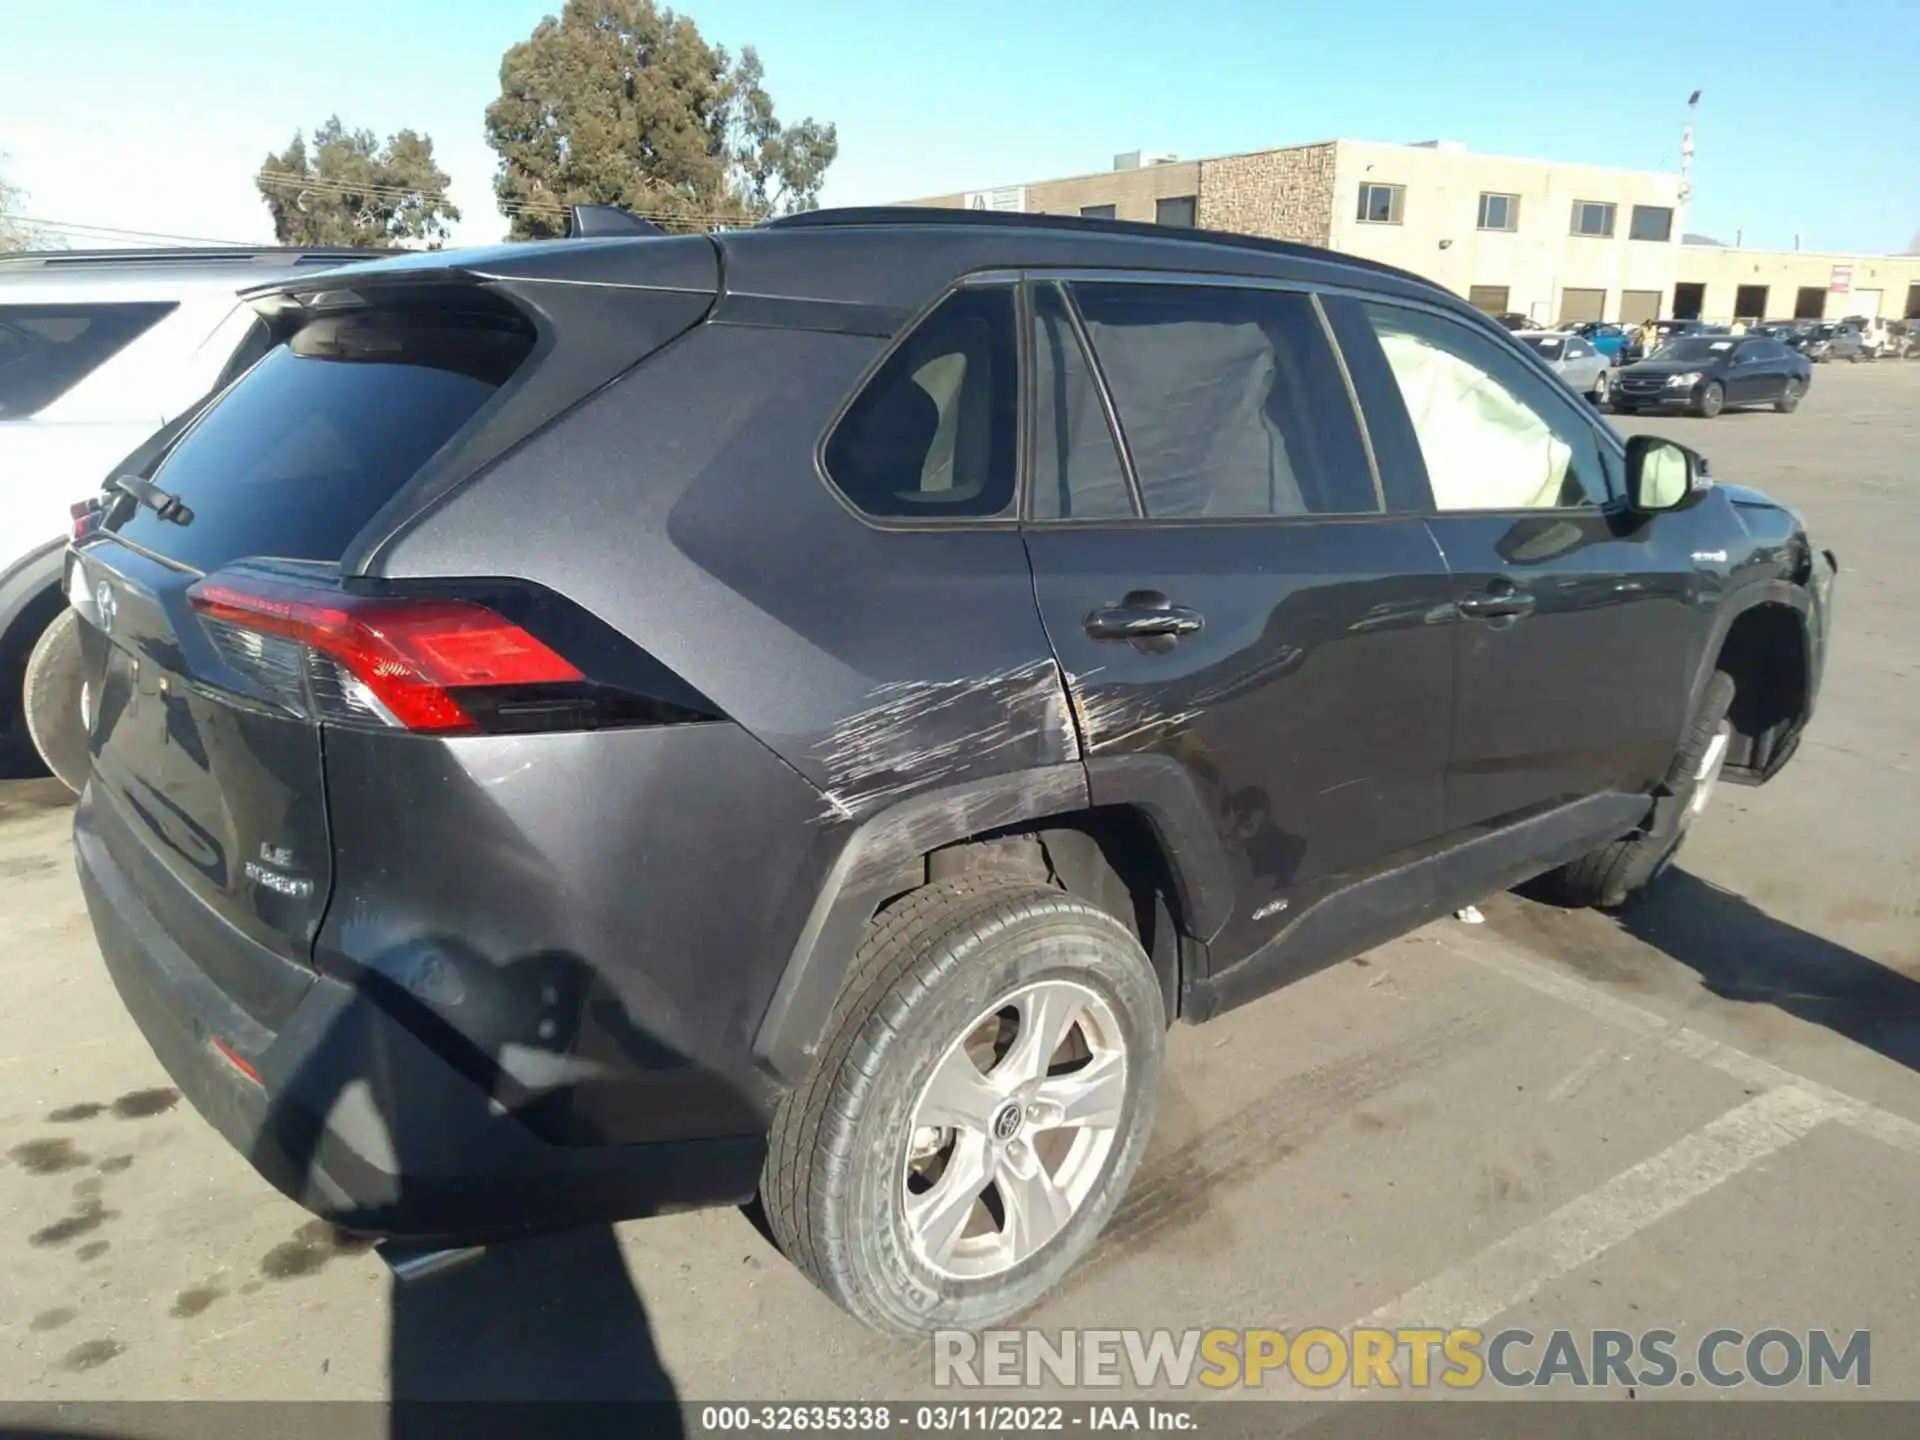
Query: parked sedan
pixel 1707 373
pixel 1586 371
pixel 1607 339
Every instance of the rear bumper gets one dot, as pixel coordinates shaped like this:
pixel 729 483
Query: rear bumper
pixel 357 1118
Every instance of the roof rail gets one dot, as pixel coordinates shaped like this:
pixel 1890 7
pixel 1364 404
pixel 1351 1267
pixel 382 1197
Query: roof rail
pixel 276 255
pixel 889 215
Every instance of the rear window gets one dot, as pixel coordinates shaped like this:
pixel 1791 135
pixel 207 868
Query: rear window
pixel 325 430
pixel 45 350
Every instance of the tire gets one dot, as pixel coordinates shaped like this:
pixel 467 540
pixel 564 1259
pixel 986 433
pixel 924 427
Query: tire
pixel 1789 400
pixel 1613 874
pixel 50 702
pixel 1712 400
pixel 857 1134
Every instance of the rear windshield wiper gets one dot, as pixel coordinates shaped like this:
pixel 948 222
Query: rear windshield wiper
pixel 164 503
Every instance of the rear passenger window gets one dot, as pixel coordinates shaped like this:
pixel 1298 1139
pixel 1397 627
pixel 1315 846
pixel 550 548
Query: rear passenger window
pixel 45 350
pixel 1076 469
pixel 1231 402
pixel 935 433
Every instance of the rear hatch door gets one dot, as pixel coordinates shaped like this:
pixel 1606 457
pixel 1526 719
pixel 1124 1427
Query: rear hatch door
pixel 208 738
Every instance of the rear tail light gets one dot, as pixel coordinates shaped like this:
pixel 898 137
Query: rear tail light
pixel 371 660
pixel 86 518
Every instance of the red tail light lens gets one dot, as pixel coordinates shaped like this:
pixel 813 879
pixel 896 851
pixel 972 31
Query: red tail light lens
pixel 395 661
pixel 86 516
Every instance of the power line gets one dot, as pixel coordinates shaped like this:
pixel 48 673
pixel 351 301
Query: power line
pixel 74 227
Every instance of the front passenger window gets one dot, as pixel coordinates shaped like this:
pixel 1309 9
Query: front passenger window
pixel 1494 435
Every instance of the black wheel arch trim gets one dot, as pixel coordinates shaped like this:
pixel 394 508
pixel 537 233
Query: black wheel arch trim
pixel 865 873
pixel 25 584
pixel 1813 622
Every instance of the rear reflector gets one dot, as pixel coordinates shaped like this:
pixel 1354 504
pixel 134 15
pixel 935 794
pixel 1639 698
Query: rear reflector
pixel 398 661
pixel 234 1058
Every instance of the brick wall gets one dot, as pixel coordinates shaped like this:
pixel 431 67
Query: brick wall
pixel 1278 194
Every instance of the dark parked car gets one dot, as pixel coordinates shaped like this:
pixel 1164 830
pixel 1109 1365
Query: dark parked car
pixel 599 726
pixel 1708 373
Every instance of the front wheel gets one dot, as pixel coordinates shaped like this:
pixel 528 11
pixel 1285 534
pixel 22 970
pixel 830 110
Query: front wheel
pixel 1612 874
pixel 1789 400
pixel 1712 400
pixel 51 701
pixel 976 1112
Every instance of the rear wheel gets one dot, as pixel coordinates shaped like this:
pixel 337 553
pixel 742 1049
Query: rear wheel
pixel 51 703
pixel 1611 875
pixel 1712 400
pixel 1789 400
pixel 979 1105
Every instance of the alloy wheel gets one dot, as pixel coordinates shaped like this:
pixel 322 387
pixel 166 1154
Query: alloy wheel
pixel 1013 1129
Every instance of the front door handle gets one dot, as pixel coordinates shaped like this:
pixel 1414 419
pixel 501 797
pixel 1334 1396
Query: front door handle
pixel 1146 618
pixel 1500 600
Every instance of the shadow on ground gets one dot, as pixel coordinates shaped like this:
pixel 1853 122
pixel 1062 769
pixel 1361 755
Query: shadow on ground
pixel 1741 953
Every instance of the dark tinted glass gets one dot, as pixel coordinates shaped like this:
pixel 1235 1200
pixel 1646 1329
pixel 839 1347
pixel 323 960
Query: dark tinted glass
pixel 1695 347
pixel 45 350
pixel 1651 222
pixel 1076 469
pixel 324 431
pixel 1231 401
pixel 935 433
pixel 1176 211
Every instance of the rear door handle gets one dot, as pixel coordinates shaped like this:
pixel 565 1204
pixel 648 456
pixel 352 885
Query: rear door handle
pixel 1144 616
pixel 1493 604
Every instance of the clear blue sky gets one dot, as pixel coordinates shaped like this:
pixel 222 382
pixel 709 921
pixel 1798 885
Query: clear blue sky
pixel 152 115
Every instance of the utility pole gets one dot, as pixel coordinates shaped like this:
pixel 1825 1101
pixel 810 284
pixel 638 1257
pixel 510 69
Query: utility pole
pixel 1686 150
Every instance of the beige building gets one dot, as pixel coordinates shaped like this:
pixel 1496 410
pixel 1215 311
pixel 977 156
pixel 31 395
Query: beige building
pixel 1543 239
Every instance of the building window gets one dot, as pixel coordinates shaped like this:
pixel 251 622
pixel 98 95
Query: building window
pixel 1382 204
pixel 1593 217
pixel 1499 212
pixel 1096 212
pixel 1649 222
pixel 1174 210
pixel 1490 298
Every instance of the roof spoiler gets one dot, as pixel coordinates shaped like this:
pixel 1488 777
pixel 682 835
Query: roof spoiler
pixel 593 221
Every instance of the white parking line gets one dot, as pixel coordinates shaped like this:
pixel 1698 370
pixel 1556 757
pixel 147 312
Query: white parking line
pixel 1517 965
pixel 1514 1268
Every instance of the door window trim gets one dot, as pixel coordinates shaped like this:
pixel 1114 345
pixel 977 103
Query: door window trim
pixel 1606 441
pixel 1067 276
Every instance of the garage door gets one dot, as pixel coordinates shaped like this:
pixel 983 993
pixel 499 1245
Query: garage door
pixel 1862 302
pixel 1639 305
pixel 1490 298
pixel 1583 304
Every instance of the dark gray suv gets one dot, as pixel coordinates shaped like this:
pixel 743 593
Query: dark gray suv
pixel 588 728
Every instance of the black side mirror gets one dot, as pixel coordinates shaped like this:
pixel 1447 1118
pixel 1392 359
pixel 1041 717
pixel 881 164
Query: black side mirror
pixel 1662 475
